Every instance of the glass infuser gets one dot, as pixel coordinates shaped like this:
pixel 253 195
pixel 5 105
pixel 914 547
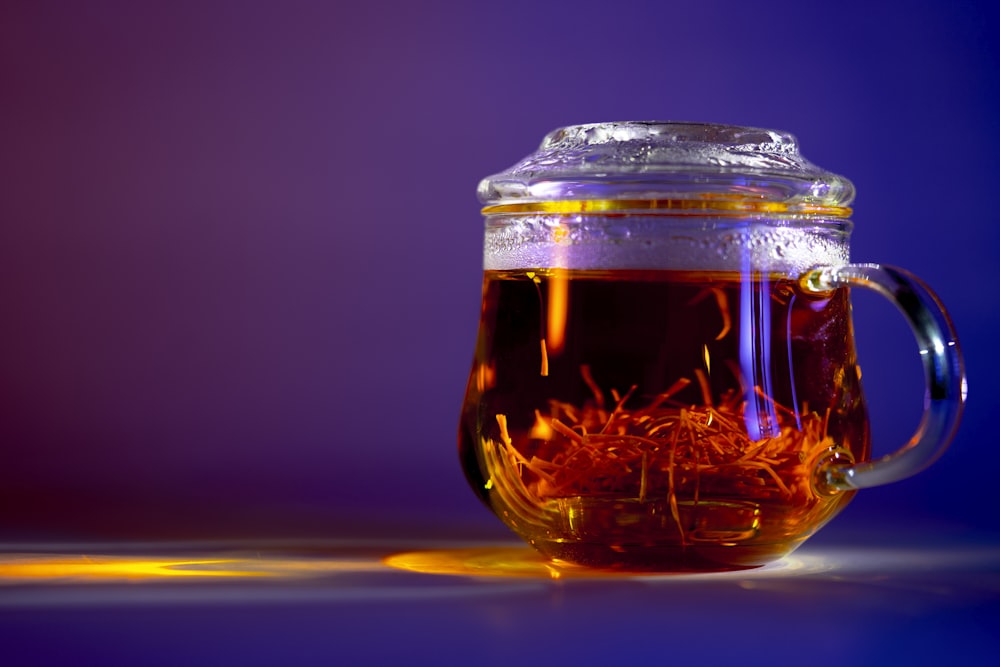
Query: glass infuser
pixel 665 374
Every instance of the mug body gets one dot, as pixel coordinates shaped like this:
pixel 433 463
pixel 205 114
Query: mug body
pixel 655 389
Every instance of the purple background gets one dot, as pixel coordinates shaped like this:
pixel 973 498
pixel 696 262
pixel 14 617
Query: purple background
pixel 240 248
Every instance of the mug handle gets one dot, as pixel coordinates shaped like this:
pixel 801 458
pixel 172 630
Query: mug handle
pixel 944 373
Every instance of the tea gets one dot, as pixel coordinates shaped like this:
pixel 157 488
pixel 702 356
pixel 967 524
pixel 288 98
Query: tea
pixel 660 420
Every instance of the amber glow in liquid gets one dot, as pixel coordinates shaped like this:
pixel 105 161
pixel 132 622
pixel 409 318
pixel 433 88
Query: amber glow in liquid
pixel 660 420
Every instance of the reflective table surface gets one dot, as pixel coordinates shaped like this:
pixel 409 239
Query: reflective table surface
pixel 848 599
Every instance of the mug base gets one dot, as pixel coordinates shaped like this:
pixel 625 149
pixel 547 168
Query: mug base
pixel 663 558
pixel 628 535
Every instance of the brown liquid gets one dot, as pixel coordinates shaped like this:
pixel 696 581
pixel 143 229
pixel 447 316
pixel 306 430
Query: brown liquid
pixel 659 420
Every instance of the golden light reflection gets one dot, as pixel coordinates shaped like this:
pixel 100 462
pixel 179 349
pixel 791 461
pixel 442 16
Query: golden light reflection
pixel 719 204
pixel 63 569
pixel 488 562
pixel 557 311
pixel 486 377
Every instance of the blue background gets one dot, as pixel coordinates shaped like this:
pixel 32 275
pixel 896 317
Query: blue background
pixel 240 249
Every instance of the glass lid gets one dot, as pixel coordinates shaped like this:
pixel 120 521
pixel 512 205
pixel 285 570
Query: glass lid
pixel 669 168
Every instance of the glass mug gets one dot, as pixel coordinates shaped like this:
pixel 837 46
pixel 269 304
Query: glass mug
pixel 665 376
